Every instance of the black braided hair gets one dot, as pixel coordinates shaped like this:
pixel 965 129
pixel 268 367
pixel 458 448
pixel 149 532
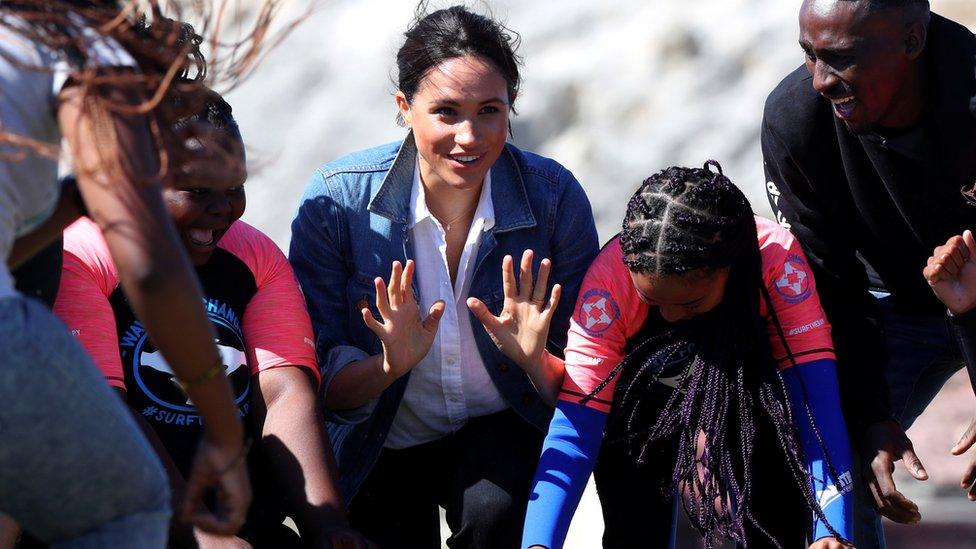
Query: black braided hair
pixel 682 220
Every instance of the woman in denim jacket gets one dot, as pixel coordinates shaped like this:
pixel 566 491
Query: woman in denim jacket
pixel 424 410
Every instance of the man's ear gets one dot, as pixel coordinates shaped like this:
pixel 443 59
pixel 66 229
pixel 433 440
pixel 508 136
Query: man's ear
pixel 915 40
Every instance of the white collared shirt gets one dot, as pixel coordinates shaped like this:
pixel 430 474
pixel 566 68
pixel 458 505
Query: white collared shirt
pixel 450 385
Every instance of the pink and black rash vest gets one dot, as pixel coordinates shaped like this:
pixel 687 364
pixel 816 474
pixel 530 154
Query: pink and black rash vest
pixel 610 313
pixel 610 319
pixel 251 297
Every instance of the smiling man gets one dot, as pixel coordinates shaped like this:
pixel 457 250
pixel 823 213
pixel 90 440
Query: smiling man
pixel 866 148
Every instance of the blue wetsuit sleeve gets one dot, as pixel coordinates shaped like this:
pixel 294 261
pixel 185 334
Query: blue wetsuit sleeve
pixel 822 396
pixel 568 456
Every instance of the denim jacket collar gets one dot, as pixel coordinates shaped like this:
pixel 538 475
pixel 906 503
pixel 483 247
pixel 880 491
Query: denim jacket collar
pixel 508 194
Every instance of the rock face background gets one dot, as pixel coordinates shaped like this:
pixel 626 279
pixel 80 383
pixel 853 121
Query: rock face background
pixel 615 90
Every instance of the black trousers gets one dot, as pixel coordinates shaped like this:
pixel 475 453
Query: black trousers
pixel 637 514
pixel 480 475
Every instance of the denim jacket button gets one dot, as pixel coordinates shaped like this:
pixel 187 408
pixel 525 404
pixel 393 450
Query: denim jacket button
pixel 526 399
pixel 503 367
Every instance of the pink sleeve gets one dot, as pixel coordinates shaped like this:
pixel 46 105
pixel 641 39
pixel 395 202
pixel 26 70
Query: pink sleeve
pixel 803 333
pixel 277 328
pixel 88 278
pixel 608 312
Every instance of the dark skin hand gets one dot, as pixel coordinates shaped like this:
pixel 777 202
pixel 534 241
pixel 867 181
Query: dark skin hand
pixel 951 272
pixel 884 443
pixel 967 441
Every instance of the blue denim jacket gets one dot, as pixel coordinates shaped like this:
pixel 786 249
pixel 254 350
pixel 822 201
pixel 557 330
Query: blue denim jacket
pixel 352 223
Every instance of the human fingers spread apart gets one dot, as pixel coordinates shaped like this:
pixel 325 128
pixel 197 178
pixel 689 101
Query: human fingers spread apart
pixel 405 335
pixel 521 328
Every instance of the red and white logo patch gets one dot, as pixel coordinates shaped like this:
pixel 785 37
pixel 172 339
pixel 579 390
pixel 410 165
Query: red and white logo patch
pixel 597 311
pixel 795 282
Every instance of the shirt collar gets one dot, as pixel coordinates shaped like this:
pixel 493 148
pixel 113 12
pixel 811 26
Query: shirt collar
pixel 392 199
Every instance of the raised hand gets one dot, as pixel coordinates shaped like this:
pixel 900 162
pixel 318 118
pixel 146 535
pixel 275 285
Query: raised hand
pixel 885 442
pixel 951 272
pixel 968 482
pixel 406 337
pixel 521 330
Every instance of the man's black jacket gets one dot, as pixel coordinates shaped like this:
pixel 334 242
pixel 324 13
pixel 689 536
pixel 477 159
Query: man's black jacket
pixel 870 200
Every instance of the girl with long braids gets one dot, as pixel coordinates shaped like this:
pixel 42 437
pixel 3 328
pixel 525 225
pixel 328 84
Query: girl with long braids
pixel 700 358
pixel 74 469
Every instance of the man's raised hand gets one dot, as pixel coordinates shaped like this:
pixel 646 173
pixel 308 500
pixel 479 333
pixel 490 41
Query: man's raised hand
pixel 951 272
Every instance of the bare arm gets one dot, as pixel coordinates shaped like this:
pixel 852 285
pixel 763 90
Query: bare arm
pixel 65 213
pixel 120 188
pixel 298 449
pixel 358 383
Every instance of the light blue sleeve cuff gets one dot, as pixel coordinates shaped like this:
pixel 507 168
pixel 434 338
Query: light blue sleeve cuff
pixel 336 359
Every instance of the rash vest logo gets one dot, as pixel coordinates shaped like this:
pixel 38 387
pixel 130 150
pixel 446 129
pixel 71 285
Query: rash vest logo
pixel 233 359
pixel 795 284
pixel 597 311
pixel 155 378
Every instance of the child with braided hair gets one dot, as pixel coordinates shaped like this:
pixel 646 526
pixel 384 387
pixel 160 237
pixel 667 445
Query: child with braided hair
pixel 698 361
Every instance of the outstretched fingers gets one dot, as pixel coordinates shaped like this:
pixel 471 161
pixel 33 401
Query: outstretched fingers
pixel 434 316
pixel 406 282
pixel 482 313
pixel 382 297
pixel 542 281
pixel 396 281
pixel 371 322
pixel 969 480
pixel 966 441
pixel 508 277
pixel 525 275
pixel 557 292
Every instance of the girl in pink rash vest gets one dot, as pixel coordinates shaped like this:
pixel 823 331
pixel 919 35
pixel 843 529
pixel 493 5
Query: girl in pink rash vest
pixel 698 364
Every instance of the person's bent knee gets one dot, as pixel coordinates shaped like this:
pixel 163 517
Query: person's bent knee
pixel 491 516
